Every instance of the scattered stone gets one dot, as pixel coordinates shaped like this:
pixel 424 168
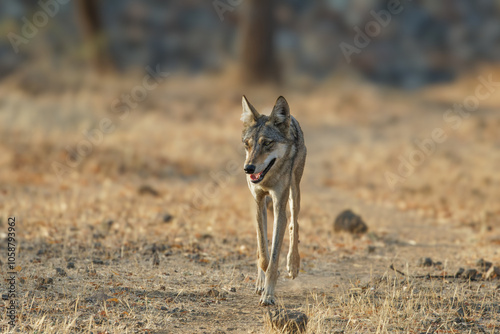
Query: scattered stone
pixel 425 262
pixel 493 272
pixel 42 281
pixel 5 296
pixel 70 265
pixel 483 265
pixel 459 272
pixel 215 293
pixel 167 218
pixel 371 249
pixel 61 272
pixel 233 289
pixel 148 190
pixel 286 321
pixel 163 308
pixel 348 221
pixel 470 274
pixel 97 261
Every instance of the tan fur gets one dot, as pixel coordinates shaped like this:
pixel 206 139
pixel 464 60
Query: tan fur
pixel 281 184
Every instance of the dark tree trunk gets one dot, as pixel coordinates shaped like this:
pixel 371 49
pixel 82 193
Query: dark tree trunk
pixel 93 33
pixel 257 54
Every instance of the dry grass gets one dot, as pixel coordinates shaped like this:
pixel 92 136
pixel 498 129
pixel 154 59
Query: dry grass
pixel 184 145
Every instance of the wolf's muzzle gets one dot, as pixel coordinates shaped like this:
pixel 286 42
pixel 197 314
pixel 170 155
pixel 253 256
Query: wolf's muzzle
pixel 256 178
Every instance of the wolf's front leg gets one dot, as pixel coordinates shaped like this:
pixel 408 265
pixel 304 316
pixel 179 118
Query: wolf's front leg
pixel 279 205
pixel 262 251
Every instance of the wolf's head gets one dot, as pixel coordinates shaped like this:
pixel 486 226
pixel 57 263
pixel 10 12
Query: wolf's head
pixel 266 138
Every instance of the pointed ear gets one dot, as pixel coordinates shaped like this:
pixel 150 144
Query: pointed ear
pixel 249 114
pixel 280 116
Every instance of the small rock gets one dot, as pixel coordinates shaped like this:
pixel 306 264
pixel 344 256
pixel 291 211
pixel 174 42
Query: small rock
pixel 232 289
pixel 459 272
pixel 470 274
pixel 483 265
pixel 167 218
pixel 5 296
pixel 286 321
pixel 215 293
pixel 425 262
pixel 60 272
pixel 371 249
pixel 348 221
pixel 148 190
pixel 70 265
pixel 97 261
pixel 163 308
pixel 42 281
pixel 493 272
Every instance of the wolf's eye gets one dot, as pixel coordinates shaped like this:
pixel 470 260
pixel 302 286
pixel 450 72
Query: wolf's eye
pixel 268 143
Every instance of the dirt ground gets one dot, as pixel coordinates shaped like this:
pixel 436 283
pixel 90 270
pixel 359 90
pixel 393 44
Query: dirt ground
pixel 150 230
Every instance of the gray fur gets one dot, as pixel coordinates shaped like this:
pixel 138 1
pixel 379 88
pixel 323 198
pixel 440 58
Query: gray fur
pixel 281 184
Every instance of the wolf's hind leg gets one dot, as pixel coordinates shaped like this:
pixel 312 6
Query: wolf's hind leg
pixel 293 258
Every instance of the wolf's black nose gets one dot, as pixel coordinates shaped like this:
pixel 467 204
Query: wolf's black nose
pixel 249 169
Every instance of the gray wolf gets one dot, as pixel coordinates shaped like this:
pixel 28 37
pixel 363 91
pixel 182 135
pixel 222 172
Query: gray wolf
pixel 275 159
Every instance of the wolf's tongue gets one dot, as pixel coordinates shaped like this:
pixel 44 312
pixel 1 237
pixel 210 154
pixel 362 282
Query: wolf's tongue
pixel 254 177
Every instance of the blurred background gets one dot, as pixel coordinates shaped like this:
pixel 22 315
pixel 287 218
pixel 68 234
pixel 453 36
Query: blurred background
pixel 423 42
pixel 132 93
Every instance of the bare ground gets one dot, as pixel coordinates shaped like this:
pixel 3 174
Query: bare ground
pixel 163 186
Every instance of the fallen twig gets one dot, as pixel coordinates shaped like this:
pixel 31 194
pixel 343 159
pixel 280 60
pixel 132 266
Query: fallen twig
pixel 428 276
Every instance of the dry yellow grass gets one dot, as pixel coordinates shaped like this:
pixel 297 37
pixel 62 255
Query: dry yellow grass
pixel 183 142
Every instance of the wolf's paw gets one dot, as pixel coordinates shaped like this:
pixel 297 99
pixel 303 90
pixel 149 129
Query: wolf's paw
pixel 260 282
pixel 266 300
pixel 293 264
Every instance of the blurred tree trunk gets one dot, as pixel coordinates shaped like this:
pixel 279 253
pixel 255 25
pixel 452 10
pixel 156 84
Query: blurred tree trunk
pixel 93 33
pixel 257 54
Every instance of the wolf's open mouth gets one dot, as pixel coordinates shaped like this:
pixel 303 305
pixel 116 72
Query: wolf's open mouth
pixel 256 178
